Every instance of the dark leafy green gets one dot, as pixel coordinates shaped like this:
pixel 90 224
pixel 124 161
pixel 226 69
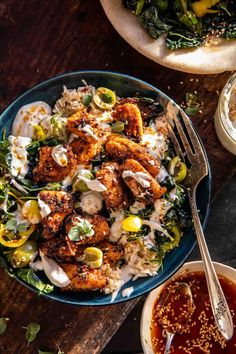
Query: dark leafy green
pixel 133 236
pixel 31 278
pixel 183 28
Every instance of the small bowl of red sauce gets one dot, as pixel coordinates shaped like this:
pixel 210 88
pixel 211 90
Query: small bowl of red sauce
pixel 201 335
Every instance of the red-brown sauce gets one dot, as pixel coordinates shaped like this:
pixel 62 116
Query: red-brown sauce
pixel 201 334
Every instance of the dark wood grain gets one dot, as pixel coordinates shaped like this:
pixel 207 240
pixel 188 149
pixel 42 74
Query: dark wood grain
pixel 40 39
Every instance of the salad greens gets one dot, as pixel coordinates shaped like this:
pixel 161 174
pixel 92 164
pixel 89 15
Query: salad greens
pixel 187 23
pixel 29 276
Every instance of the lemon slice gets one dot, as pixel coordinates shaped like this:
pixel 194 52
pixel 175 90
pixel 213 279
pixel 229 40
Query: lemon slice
pixel 132 223
pixel 104 98
pixel 93 257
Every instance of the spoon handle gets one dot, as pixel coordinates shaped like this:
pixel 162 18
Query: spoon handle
pixel 219 304
pixel 169 338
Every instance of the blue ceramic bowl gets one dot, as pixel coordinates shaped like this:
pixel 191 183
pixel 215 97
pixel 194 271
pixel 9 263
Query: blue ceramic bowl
pixel 124 85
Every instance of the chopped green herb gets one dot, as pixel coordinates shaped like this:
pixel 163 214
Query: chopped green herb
pixel 192 105
pixel 87 99
pixel 82 230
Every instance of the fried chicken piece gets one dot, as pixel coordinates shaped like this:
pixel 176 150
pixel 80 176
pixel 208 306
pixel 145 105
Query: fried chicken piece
pixel 48 170
pixel 130 113
pixel 52 223
pixel 83 278
pixel 123 148
pixel 85 151
pixel 60 204
pixel 100 227
pixel 85 126
pixel 149 109
pixel 57 200
pixel 112 253
pixel 115 196
pixel 60 246
pixel 144 187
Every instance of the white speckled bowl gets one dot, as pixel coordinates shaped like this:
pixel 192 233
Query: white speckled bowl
pixel 145 332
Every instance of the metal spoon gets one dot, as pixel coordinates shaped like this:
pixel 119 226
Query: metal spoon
pixel 174 310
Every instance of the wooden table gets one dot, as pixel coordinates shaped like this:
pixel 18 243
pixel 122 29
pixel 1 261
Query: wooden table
pixel 40 39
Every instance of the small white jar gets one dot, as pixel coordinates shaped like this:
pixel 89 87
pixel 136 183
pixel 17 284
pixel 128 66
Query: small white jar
pixel 225 127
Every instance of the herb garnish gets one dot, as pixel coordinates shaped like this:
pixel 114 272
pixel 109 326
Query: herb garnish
pixel 32 330
pixel 12 225
pixel 80 231
pixel 192 105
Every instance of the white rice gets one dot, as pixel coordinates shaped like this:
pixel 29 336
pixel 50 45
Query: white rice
pixel 71 100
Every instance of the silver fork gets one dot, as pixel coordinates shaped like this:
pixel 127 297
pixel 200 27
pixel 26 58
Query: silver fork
pixel 187 146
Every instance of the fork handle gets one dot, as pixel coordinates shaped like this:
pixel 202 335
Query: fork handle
pixel 220 308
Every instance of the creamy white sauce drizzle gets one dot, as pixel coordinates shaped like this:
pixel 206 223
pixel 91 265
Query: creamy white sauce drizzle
pixel 55 274
pixel 59 155
pixel 29 116
pixel 141 177
pixel 136 207
pixel 116 228
pixel 91 202
pixel 93 184
pixel 19 162
pixel 88 130
pixel 162 174
pixel 44 209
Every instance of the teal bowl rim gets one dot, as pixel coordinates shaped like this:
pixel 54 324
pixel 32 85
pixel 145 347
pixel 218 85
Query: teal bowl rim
pixel 208 178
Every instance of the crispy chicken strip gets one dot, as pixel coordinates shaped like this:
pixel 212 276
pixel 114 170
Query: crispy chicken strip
pixel 60 246
pixel 85 151
pixel 123 148
pixel 48 170
pixel 83 278
pixel 149 109
pixel 130 113
pixel 112 253
pixel 60 204
pixel 100 227
pixel 85 126
pixel 144 187
pixel 57 200
pixel 115 196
